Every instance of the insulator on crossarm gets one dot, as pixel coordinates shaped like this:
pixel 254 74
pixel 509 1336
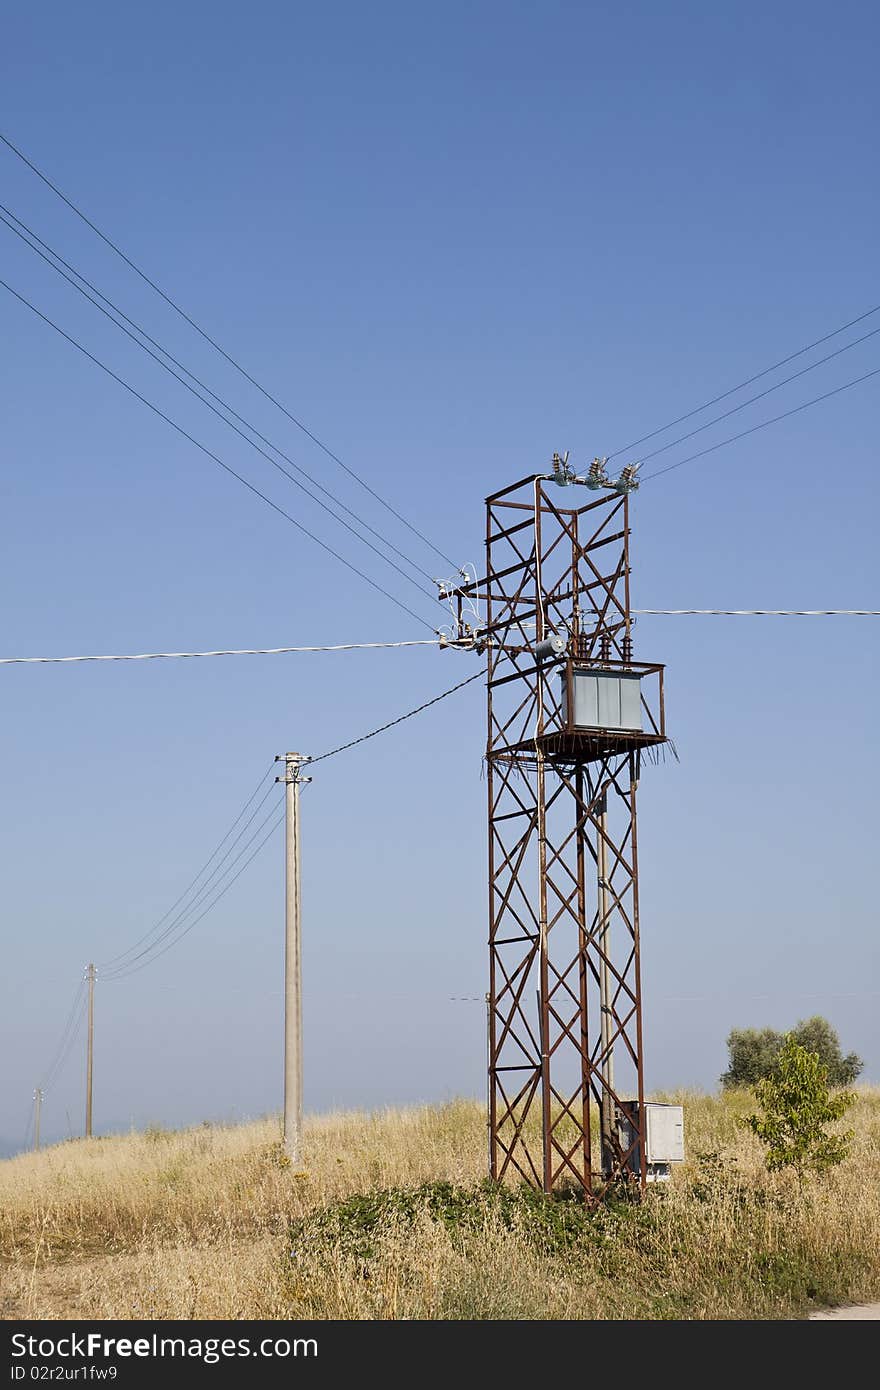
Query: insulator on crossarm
pixel 596 476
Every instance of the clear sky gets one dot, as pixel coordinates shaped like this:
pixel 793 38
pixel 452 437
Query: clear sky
pixel 451 239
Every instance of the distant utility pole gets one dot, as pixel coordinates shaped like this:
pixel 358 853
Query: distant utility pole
pixel 90 1049
pixel 293 778
pixel 38 1103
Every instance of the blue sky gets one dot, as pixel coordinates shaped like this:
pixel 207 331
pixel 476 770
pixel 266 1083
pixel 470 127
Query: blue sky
pixel 451 240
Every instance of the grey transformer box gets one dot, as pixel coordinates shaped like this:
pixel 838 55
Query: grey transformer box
pixel 664 1137
pixel 603 699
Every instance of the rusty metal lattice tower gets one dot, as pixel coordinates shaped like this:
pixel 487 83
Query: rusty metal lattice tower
pixel 570 716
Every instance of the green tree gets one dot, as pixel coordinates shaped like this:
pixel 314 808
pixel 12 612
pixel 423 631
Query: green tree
pixel 797 1107
pixel 817 1035
pixel 754 1053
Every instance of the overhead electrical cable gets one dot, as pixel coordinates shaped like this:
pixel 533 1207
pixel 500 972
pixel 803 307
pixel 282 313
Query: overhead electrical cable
pixel 68 1049
pixel 53 1070
pixel 786 414
pixel 229 651
pixel 5 214
pixel 179 927
pixel 251 857
pixel 759 612
pixel 760 396
pixel 392 723
pixel 209 887
pixel 239 432
pixel 427 641
pixel 783 361
pixel 211 857
pixel 222 351
pixel 211 455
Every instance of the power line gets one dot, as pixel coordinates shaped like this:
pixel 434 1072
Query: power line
pixel 760 396
pixel 145 957
pixel 211 857
pixel 135 968
pixel 211 455
pixel 428 642
pixel 400 719
pixel 71 1044
pixel 281 469
pixel 222 351
pixel 25 1143
pixel 240 651
pixel 330 454
pixel 625 448
pixel 763 424
pixel 68 1036
pixel 760 612
pixel 5 214
pixel 204 892
pixel 52 1072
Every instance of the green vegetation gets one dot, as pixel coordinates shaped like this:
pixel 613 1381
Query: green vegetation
pixel 357 1223
pixel 391 1217
pixel 755 1053
pixel 797 1107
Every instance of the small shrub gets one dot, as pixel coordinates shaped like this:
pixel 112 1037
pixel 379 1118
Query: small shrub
pixel 797 1106
pixel 354 1225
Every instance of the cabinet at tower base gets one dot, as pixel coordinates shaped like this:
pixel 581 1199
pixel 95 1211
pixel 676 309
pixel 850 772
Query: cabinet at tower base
pixel 664 1137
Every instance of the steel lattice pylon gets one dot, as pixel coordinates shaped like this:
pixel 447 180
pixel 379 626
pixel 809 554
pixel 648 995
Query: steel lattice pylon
pixel 565 1026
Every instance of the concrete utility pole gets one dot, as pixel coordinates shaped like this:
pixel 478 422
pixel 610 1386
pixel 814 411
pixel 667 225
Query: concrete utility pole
pixel 293 778
pixel 90 1048
pixel 38 1103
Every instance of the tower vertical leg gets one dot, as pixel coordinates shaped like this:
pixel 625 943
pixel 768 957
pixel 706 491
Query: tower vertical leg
pixel 544 983
pixel 586 1138
pixel 634 761
pixel 493 990
pixel 606 1058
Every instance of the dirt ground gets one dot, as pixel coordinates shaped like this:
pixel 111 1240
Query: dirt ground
pixel 861 1311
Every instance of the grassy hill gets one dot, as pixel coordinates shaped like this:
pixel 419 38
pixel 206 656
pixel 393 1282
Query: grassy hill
pixel 390 1219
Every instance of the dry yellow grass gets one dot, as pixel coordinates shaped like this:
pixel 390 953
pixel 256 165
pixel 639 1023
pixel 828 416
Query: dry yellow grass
pixel 211 1223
